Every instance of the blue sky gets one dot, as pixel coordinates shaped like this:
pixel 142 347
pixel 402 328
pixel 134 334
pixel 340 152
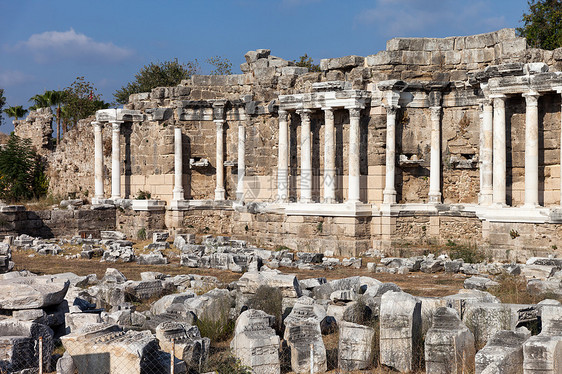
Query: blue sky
pixel 45 45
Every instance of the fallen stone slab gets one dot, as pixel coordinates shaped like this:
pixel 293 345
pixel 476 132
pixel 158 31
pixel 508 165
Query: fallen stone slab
pixel 287 283
pixel 302 337
pixel 355 346
pixel 503 353
pixel 479 283
pixel 32 292
pixel 189 346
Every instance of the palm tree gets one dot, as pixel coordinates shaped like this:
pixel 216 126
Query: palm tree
pixel 15 111
pixel 40 101
pixel 56 99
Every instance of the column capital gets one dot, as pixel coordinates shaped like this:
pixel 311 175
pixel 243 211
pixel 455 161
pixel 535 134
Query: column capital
pixel 391 109
pixel 531 97
pixel 282 112
pixel 435 113
pixel 116 125
pixel 497 96
pixel 354 111
pixel 304 113
pixel 219 123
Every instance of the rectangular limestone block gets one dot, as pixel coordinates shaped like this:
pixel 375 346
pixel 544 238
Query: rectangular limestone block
pixel 552 197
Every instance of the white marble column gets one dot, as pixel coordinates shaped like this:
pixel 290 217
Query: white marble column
pixel 353 193
pixel 486 147
pixel 283 158
pixel 177 192
pixel 435 156
pixel 499 151
pixel 559 90
pixel 306 157
pixel 219 190
pixel 531 149
pixel 329 157
pixel 116 160
pixel 241 159
pixel 98 161
pixel 389 193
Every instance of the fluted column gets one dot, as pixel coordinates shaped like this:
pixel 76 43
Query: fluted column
pixel 329 157
pixel 531 149
pixel 283 158
pixel 306 157
pixel 98 161
pixel 177 193
pixel 115 160
pixel 486 147
pixel 389 193
pixel 499 151
pixel 219 190
pixel 435 156
pixel 354 171
pixel 241 159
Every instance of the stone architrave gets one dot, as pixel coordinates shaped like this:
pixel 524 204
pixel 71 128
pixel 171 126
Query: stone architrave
pixel 287 283
pixel 355 346
pixel 32 292
pixel 400 331
pixel 189 346
pixel 449 344
pixel 503 352
pixel 306 308
pixel 255 342
pixel 303 336
pixel 106 348
pixel 542 354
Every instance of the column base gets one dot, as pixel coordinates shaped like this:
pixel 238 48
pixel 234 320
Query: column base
pixel 435 198
pixel 305 200
pixel 328 200
pixel 531 205
pixel 485 198
pixel 220 194
pixel 178 194
pixel 102 201
pixel 389 197
pixel 239 195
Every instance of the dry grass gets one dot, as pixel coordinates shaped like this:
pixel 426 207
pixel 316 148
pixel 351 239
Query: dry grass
pixel 512 289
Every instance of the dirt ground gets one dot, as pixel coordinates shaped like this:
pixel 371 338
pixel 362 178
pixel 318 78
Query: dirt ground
pixel 418 284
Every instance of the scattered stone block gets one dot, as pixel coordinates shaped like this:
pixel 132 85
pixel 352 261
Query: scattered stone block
pixel 355 346
pixel 189 346
pixel 449 344
pixel 503 353
pixel 288 284
pixel 255 342
pixel 303 336
pixel 400 331
pixel 32 292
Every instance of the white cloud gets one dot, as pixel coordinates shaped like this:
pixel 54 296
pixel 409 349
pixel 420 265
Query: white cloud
pixel 13 78
pixel 53 46
pixel 420 18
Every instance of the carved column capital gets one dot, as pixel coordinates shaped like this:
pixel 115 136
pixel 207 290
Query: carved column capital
pixel 531 98
pixel 435 113
pixel 391 109
pixel 354 112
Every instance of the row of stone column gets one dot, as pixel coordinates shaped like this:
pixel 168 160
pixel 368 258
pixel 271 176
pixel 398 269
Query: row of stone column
pixel 493 150
pixel 329 182
pixel 178 191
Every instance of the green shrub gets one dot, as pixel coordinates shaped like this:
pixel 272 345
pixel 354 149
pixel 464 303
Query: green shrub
pixel 270 300
pixel 22 171
pixel 143 195
pixel 141 234
pixel 467 252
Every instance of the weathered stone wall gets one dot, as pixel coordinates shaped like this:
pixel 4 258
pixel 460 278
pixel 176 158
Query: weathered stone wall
pixel 55 223
pixel 37 127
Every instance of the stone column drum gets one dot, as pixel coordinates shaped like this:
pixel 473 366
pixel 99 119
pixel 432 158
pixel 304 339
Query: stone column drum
pixel 531 149
pixel 389 192
pixel 178 165
pixel 499 152
pixel 115 160
pixel 98 161
pixel 306 157
pixel 329 157
pixel 486 153
pixel 219 190
pixel 354 157
pixel 283 158
pixel 435 161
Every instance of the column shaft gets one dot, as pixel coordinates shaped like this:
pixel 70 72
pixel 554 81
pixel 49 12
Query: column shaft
pixel 499 151
pixel 283 158
pixel 531 149
pixel 115 160
pixel 389 192
pixel 306 158
pixel 353 194
pixel 220 193
pixel 329 157
pixel 486 149
pixel 435 157
pixel 241 161
pixel 98 160
pixel 178 165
